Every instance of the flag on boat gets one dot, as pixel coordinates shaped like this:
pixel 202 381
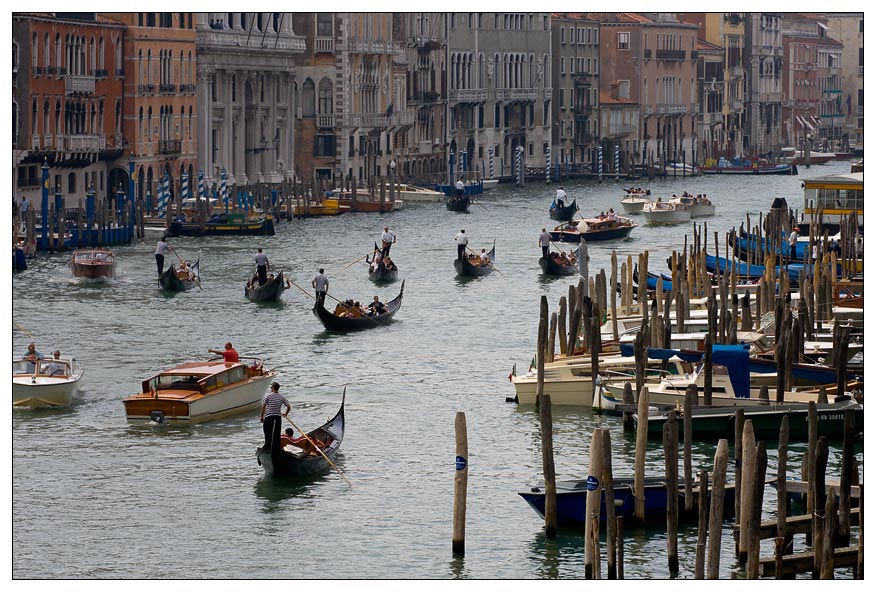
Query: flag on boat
pixel 532 365
pixel 513 372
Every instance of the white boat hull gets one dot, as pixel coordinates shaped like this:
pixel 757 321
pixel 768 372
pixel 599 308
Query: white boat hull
pixel 666 217
pixel 489 184
pixel 702 210
pixel 633 206
pixel 43 391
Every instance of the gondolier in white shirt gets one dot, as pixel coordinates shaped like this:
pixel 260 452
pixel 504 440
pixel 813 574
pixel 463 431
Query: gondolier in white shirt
pixel 388 238
pixel 160 250
pixel 544 241
pixel 320 284
pixel 272 424
pixel 262 267
pixel 461 243
pixel 561 197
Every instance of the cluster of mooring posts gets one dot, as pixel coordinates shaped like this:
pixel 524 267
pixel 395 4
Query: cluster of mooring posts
pixel 793 301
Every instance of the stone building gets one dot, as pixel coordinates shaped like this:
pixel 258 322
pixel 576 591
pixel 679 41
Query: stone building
pixel 575 69
pixel 763 58
pixel 248 99
pixel 67 74
pixel 848 29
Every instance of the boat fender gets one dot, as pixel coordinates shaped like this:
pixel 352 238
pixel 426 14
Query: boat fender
pixel 157 416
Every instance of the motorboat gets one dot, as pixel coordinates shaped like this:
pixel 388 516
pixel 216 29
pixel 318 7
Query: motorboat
pixel 413 193
pixel 95 263
pixel 45 382
pixel 666 213
pixel 634 201
pixel 200 391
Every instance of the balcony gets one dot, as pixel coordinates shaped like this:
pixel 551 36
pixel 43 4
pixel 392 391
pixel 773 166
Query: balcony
pixel 584 138
pixel 170 147
pixel 146 88
pixel 468 95
pixel 79 84
pixel 325 121
pixel 735 105
pixel 167 88
pixel 81 142
pixel 619 131
pixel 647 110
pixel 671 109
pixel 100 74
pixel 860 70
pixel 583 110
pixel 772 97
pixel 514 94
pixel 50 70
pixel 324 44
pixel 237 40
pixel 712 118
pixel 584 79
pixel 647 53
pixel 671 54
pixel 695 108
pixel 120 72
pixel 380 120
pixel 363 45
pixel 426 97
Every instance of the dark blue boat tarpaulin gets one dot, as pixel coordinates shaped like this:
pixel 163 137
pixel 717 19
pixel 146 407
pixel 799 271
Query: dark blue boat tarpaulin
pixel 732 356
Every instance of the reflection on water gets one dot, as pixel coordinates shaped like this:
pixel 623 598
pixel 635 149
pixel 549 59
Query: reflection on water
pixel 273 491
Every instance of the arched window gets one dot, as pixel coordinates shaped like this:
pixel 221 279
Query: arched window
pixel 307 99
pixel 33 118
pixel 35 51
pixel 47 51
pixel 92 52
pixel 57 117
pixel 326 106
pixel 46 116
pixel 59 57
pixel 141 73
pixel 101 57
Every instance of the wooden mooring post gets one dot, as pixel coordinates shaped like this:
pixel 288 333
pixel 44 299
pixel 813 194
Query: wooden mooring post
pixel 594 496
pixel 670 455
pixel 460 484
pixel 716 511
pixel 546 422
pixel 611 527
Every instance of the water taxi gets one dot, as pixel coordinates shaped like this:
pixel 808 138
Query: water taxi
pixel 45 382
pixel 413 193
pixel 93 263
pixel 200 391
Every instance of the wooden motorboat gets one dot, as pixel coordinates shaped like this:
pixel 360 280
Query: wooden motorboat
pixel 223 224
pixel 45 382
pixel 93 263
pixel 328 208
pixel 471 264
pixel 459 203
pixel 173 279
pixel 269 292
pixel 558 264
pixel 592 230
pixel 364 202
pixel 564 213
pixel 200 391
pixel 351 319
pixel 749 168
pixel 413 193
pixel 299 459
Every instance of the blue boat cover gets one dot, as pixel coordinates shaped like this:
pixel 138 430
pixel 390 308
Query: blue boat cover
pixel 733 356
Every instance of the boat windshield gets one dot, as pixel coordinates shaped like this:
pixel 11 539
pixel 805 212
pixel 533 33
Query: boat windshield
pixel 176 381
pixel 52 367
pixel 23 366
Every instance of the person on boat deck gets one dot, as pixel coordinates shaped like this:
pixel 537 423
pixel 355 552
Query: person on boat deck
pixel 377 307
pixel 160 250
pixel 262 266
pixel 269 416
pixel 32 354
pixel 485 259
pixel 561 197
pixel 388 238
pixel 229 354
pixel 52 369
pixel 544 241
pixel 320 284
pixel 572 259
pixel 461 243
pixel 792 239
pixel 460 189
pixel 612 216
pixel 185 271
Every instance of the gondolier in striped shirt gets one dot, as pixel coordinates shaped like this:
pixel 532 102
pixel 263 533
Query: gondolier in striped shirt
pixel 272 425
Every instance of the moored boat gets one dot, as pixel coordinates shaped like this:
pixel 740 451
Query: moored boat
pixel 458 203
pixel 472 265
pixel 348 318
pixel 748 168
pixel 173 279
pixel 413 193
pixel 298 458
pixel 269 292
pixel 328 208
pixel 93 263
pixel 200 391
pixel 45 382
pixel 223 224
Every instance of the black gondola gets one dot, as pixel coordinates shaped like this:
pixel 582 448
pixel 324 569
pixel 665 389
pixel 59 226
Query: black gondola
pixel 565 213
pixel 334 322
pixel 379 272
pixel 554 267
pixel 459 203
pixel 269 292
pixel 464 267
pixel 171 282
pixel 297 462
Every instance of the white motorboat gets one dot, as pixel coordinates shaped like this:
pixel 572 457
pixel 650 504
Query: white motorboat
pixel 45 382
pixel 698 207
pixel 634 203
pixel 666 213
pixel 489 183
pixel 413 193
pixel 200 391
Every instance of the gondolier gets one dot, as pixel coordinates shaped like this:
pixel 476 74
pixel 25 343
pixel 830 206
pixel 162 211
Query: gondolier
pixel 561 197
pixel 461 243
pixel 320 284
pixel 160 250
pixel 262 266
pixel 270 415
pixel 388 238
pixel 544 241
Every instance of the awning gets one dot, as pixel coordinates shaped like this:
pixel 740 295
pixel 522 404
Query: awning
pixel 823 26
pixel 815 119
pixel 799 120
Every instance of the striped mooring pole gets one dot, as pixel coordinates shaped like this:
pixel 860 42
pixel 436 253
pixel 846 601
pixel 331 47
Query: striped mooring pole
pixel 202 186
pixel 599 161
pixel 491 161
pixel 518 157
pixel 223 189
pixel 547 165
pixel 184 188
pixel 616 162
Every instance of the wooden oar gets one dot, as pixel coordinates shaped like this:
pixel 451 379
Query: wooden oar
pixel 338 301
pixel 358 260
pixel 491 263
pixel 481 205
pixel 181 263
pixel 306 437
pixel 20 328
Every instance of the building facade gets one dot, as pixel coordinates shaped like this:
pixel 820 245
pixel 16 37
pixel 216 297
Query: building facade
pixel 763 58
pixel 67 105
pixel 848 29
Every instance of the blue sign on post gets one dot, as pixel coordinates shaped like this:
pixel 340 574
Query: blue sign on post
pixel 592 483
pixel 460 463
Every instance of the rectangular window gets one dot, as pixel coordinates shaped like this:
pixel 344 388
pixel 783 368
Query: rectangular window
pixel 323 24
pixel 572 35
pixel 562 98
pixel 562 65
pixel 623 41
pixel 562 36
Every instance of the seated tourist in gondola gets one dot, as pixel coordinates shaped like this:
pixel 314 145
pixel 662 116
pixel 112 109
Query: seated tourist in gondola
pixel 572 258
pixel 376 308
pixel 484 257
pixel 388 263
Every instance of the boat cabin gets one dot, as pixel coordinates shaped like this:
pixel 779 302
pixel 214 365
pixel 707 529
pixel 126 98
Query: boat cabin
pixel 92 257
pixel 42 367
pixel 202 377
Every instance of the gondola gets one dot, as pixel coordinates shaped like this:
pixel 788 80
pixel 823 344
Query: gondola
pixel 565 213
pixel 296 462
pixel 465 268
pixel 171 282
pixel 553 267
pixel 334 322
pixel 380 273
pixel 459 203
pixel 269 292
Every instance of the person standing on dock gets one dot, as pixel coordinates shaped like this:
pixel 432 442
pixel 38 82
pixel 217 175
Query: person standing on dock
pixel 272 424
pixel 22 209
pixel 262 265
pixel 461 243
pixel 388 238
pixel 160 250
pixel 320 284
pixel 229 354
pixel 544 241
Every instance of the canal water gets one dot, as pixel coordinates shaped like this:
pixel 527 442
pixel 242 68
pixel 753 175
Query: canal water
pixel 95 497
